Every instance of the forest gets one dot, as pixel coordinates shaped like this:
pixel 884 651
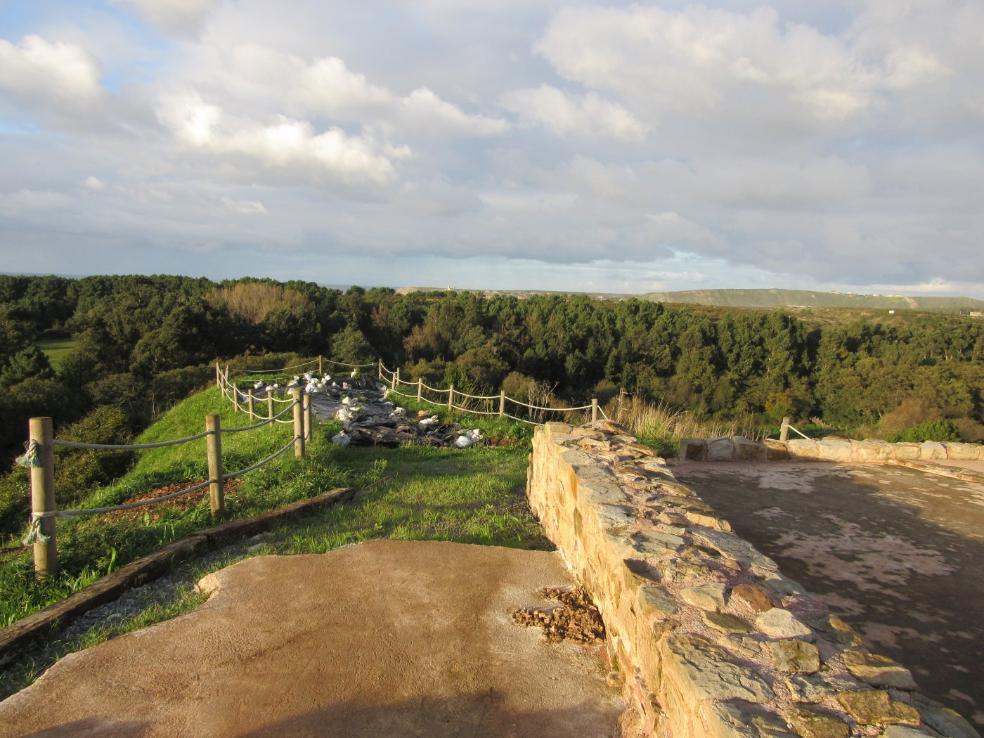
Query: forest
pixel 131 346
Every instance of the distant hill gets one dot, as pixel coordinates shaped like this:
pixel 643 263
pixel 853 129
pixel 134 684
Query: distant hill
pixel 772 298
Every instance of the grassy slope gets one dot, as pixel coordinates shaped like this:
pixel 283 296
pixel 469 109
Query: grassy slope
pixel 777 298
pixel 410 493
pixel 475 495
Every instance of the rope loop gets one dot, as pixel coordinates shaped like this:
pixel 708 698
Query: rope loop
pixel 31 456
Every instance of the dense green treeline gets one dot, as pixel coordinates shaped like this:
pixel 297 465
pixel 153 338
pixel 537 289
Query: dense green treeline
pixel 142 342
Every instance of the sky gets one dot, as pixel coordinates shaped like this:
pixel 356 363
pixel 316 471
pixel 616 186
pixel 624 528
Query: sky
pixel 508 144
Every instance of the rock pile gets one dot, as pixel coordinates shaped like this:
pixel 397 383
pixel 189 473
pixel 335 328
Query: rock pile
pixel 713 640
pixel 369 419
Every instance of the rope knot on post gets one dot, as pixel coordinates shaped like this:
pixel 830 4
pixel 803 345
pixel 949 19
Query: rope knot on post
pixel 31 456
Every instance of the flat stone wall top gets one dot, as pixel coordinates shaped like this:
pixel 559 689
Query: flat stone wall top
pixel 712 639
pixel 825 449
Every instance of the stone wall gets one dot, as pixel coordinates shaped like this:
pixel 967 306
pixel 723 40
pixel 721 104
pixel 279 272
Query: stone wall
pixel 827 449
pixel 711 639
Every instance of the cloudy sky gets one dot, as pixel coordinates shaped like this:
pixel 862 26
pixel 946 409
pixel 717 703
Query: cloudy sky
pixel 498 143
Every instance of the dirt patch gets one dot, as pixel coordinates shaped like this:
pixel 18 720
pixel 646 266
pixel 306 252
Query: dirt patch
pixel 575 619
pixel 153 513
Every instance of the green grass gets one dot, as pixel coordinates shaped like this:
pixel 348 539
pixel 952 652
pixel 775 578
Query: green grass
pixel 473 496
pixel 56 349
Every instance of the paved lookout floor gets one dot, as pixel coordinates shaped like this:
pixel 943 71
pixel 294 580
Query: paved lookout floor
pixel 385 638
pixel 898 553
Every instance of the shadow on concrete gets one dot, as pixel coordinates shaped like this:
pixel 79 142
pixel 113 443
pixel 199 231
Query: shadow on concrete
pixel 892 551
pixel 452 716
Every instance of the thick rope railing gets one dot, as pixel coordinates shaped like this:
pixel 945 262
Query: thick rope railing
pixel 392 377
pixel 280 370
pixel 129 446
pixel 122 506
pixel 266 421
pixel 261 462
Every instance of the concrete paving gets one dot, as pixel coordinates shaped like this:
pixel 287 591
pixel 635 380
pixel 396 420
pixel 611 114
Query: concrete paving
pixel 385 638
pixel 899 553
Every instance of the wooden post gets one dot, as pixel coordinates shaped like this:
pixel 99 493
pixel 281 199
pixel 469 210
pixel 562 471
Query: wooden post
pixel 784 430
pixel 420 389
pixel 393 379
pixel 235 397
pixel 41 432
pixel 396 379
pixel 249 402
pixel 298 394
pixel 218 374
pixel 321 369
pixel 621 397
pixel 307 416
pixel 502 403
pixel 380 368
pixel 213 448
pixel 451 398
pixel 594 409
pixel 269 402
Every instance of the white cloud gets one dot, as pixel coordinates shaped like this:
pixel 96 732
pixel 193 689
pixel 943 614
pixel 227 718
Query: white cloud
pixel 288 145
pixel 93 183
pixel 422 109
pixel 244 207
pixel 565 114
pixel 53 73
pixel 173 15
pixel 703 61
pixel 328 86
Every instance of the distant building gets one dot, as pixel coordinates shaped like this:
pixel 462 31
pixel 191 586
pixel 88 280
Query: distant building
pixel 891 312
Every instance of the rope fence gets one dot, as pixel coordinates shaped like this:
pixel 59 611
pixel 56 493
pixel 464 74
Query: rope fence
pixel 40 458
pixel 392 377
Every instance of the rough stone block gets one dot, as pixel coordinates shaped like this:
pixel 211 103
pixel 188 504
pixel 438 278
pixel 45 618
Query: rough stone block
pixel 779 623
pixel 703 671
pixel 835 449
pixel 876 707
pixel 706 596
pixel 878 670
pixel 801 448
pixel 812 723
pixel 775 450
pixel 746 450
pixel 794 656
pixel 721 449
pixel 906 451
pixel 963 451
pixel 931 451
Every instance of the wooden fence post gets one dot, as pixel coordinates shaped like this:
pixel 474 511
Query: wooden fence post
pixel 380 368
pixel 420 389
pixel 451 398
pixel 213 448
pixel 249 403
pixel 321 369
pixel 298 393
pixel 594 409
pixel 218 374
pixel 621 397
pixel 784 430
pixel 502 403
pixel 269 402
pixel 307 416
pixel 235 397
pixel 43 496
pixel 393 377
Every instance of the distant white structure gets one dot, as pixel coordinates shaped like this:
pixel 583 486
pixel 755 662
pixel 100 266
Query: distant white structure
pixel 891 312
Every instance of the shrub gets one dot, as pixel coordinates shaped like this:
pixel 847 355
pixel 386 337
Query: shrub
pixel 933 430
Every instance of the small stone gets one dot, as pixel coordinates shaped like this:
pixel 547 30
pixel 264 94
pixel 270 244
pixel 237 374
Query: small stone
pixel 876 707
pixel 814 688
pixel 655 543
pixel 726 623
pixel 779 623
pixel 706 596
pixel 706 672
pixel 942 719
pixel 901 731
pixel 794 656
pixel 811 723
pixel 752 596
pixel 707 521
pixel 657 602
pixel 842 632
pixel 878 670
pixel 751 721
